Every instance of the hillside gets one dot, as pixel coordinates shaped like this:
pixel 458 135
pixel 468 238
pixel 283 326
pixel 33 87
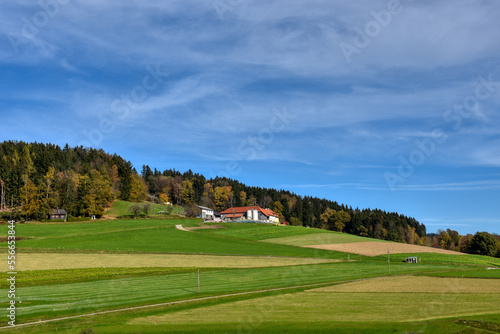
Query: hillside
pixel 146 276
pixel 38 178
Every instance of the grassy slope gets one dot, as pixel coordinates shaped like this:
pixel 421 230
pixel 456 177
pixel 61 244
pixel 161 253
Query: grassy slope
pixel 465 259
pixel 81 294
pixel 478 273
pixel 147 236
pixel 74 298
pixel 253 231
pixel 121 209
pixel 328 307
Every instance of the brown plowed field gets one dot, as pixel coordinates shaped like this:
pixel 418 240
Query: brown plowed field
pixel 378 248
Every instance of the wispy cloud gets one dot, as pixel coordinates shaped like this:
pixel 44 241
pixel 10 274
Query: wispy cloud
pixel 358 186
pixel 226 77
pixel 455 186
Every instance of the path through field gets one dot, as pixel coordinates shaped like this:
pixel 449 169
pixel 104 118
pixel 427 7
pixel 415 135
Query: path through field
pixel 180 227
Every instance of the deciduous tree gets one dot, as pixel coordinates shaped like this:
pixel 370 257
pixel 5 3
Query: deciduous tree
pixel 334 220
pixel 34 205
pixel 187 191
pixel 483 243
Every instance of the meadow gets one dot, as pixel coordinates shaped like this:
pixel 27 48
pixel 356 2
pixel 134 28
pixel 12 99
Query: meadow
pixel 146 235
pixel 77 269
pixel 122 209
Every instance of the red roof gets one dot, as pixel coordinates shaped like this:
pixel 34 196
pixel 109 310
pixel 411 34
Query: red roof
pixel 269 212
pixel 244 209
pixel 241 209
pixel 235 215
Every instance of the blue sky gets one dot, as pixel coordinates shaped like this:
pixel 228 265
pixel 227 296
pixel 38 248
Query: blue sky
pixel 381 104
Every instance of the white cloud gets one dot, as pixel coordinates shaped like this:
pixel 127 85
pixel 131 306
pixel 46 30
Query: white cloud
pixel 453 186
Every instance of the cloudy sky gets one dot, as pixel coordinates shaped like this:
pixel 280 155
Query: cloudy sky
pixel 380 104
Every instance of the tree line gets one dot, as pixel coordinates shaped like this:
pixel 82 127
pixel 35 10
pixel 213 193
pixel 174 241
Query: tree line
pixel 481 243
pixel 220 193
pixel 36 178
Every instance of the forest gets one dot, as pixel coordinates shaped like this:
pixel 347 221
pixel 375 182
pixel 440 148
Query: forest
pixel 36 178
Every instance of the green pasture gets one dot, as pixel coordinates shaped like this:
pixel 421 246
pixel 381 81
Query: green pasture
pixel 257 231
pixel 335 307
pixel 49 301
pixel 475 273
pixel 147 235
pixel 121 209
pixel 96 227
pixel 49 294
pixel 122 322
pixel 63 276
pixel 465 259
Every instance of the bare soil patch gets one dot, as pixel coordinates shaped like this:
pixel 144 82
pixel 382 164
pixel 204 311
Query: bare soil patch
pixel 372 248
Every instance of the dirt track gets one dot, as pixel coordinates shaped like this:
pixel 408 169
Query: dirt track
pixel 201 227
pixel 379 248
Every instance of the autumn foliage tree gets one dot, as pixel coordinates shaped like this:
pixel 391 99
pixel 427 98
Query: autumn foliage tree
pixel 334 220
pixel 187 192
pixel 96 191
pixel 34 204
pixel 61 178
pixel 222 197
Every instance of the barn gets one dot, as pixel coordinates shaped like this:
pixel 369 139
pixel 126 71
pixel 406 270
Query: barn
pixel 250 213
pixel 58 214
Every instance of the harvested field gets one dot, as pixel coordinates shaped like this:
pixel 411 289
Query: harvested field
pixel 325 238
pixel 420 284
pixel 376 301
pixel 374 248
pixel 41 261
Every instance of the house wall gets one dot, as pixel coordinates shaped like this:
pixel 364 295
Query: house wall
pixel 207 213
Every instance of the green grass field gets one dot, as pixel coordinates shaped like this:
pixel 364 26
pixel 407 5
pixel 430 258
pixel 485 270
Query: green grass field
pixel 123 267
pixel 121 209
pixel 333 307
pixel 477 273
pixel 465 259
pixel 253 231
pixel 91 296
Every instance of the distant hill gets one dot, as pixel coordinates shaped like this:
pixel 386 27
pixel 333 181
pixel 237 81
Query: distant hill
pixel 38 178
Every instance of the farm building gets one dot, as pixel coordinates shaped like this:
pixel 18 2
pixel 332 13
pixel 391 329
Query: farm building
pixel 206 213
pixel 58 214
pixel 253 213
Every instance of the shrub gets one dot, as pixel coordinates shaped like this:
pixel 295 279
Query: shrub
pixel 135 209
pixel 146 208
